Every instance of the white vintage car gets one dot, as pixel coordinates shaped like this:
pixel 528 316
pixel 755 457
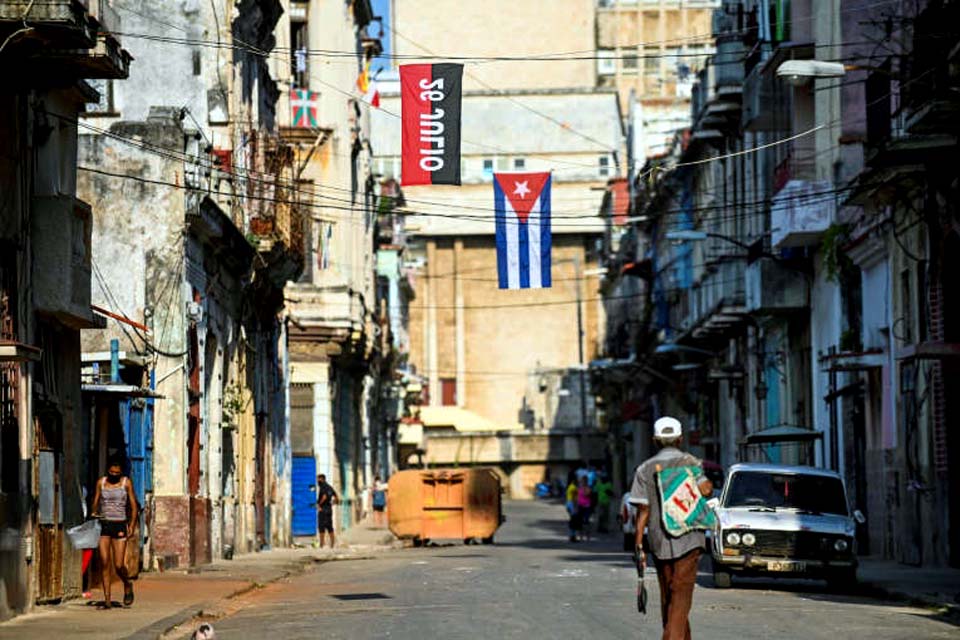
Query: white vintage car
pixel 781 520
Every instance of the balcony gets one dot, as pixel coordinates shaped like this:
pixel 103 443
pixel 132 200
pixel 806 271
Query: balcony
pixel 714 305
pixel 728 75
pixel 929 95
pixel 772 288
pixel 61 262
pixel 801 212
pixel 66 39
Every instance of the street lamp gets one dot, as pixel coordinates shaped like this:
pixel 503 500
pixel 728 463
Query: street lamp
pixel 798 72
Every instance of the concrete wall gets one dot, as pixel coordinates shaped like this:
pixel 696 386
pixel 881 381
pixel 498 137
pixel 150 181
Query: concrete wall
pixel 522 459
pixel 498 346
pixel 522 28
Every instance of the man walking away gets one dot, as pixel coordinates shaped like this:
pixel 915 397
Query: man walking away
pixel 675 556
pixel 326 498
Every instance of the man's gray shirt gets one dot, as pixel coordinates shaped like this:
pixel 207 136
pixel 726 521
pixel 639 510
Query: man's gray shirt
pixel 645 492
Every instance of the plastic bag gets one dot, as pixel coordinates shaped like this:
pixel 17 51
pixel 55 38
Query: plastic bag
pixel 86 535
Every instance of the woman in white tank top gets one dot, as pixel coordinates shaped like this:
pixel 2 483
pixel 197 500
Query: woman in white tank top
pixel 115 504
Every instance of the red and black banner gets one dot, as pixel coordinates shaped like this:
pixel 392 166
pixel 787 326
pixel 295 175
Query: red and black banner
pixel 430 106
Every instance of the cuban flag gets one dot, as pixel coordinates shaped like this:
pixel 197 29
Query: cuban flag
pixel 522 204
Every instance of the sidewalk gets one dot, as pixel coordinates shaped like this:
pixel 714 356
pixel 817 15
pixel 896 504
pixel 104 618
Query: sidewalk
pixel 166 600
pixel 937 587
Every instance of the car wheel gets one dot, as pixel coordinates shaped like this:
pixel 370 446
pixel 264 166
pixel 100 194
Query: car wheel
pixel 629 541
pixel 488 540
pixel 418 542
pixel 721 577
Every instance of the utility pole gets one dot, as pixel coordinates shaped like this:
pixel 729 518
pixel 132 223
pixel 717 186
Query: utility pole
pixel 583 387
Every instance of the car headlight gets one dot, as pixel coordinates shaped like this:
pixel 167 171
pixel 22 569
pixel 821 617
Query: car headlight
pixel 841 545
pixel 749 539
pixel 733 538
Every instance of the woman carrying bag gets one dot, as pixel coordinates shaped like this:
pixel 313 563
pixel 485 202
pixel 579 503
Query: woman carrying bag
pixel 115 504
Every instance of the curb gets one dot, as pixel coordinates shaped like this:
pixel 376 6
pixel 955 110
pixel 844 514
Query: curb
pixel 183 622
pixel 168 627
pixel 947 610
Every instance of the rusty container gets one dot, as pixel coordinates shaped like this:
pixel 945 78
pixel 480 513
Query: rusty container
pixel 443 504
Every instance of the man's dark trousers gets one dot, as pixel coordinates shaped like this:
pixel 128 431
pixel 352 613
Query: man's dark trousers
pixel 677 578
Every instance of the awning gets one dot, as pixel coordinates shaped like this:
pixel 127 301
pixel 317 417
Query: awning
pixel 124 390
pixel 461 420
pixel 410 433
pixel 782 434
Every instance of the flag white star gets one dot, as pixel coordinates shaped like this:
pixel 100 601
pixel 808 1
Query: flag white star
pixel 521 189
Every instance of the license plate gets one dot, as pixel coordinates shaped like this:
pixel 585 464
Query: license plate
pixel 783 565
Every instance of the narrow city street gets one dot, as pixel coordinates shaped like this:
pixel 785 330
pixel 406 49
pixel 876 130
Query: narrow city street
pixel 533 583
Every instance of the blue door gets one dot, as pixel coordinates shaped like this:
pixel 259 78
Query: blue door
pixel 304 489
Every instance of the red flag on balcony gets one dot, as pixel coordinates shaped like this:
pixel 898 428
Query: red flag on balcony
pixel 303 104
pixel 430 107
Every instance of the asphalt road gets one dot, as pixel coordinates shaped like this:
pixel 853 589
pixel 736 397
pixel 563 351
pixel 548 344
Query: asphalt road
pixel 532 583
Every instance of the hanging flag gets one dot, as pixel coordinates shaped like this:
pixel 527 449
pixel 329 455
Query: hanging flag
pixel 430 108
pixel 372 97
pixel 363 80
pixel 303 103
pixel 522 205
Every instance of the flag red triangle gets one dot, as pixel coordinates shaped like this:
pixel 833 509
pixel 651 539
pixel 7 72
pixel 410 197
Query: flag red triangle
pixel 522 190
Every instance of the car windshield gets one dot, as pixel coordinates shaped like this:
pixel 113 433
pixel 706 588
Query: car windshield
pixel 765 490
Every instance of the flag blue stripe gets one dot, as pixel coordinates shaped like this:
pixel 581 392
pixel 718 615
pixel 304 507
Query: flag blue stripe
pixel 523 242
pixel 545 238
pixel 500 208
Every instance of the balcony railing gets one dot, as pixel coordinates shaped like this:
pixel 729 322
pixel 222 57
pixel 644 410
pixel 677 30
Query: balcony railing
pixel 709 305
pixel 801 212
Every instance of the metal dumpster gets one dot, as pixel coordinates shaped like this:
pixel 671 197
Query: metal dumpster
pixel 435 504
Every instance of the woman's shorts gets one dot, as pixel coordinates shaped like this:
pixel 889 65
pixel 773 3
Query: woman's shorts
pixel 115 530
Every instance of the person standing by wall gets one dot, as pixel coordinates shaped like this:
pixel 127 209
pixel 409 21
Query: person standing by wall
pixel 675 556
pixel 379 501
pixel 326 498
pixel 115 503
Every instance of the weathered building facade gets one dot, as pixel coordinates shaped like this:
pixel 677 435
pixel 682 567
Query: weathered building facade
pixel 199 232
pixel 49 50
pixel 795 246
pixel 335 327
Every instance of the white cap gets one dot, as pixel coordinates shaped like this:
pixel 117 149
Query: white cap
pixel 667 427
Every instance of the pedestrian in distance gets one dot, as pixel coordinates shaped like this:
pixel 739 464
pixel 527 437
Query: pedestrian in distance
pixel 115 504
pixel 573 513
pixel 326 498
pixel 379 501
pixel 675 555
pixel 604 492
pixel 584 507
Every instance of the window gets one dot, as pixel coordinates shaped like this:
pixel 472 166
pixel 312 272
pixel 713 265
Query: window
pixel 519 164
pixel 630 62
pixel 448 392
pixel 488 168
pixel 604 165
pixel 299 71
pixel 606 65
pixel 651 62
pixel 105 89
